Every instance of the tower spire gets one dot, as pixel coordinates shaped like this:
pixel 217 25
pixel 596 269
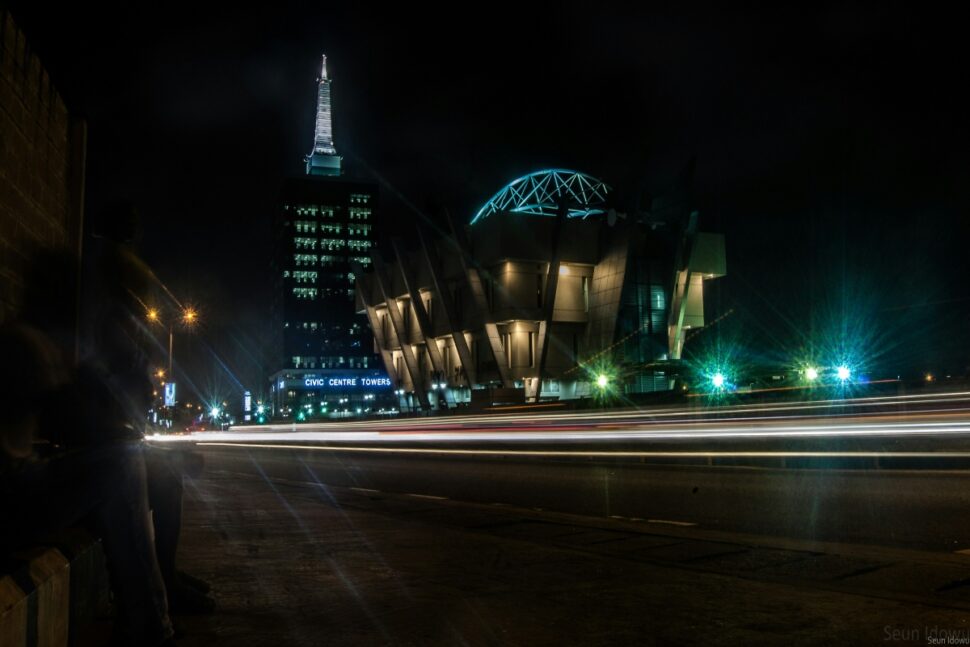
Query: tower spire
pixel 323 160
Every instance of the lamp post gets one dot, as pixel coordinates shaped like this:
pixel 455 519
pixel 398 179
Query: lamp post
pixel 189 317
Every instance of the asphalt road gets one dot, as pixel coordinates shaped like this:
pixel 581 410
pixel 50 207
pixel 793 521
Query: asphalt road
pixel 607 465
pixel 912 509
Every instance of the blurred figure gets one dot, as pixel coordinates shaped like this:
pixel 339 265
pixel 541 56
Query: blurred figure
pixel 116 346
pixel 102 486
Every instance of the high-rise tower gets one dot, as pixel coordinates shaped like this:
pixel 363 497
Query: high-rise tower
pixel 323 356
pixel 323 160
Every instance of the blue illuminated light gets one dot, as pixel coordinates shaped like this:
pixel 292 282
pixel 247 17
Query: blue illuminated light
pixel 540 193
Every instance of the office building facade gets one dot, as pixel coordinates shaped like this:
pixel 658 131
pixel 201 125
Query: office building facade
pixel 548 282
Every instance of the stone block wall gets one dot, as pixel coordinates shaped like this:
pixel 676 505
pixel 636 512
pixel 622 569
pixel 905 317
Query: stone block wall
pixel 42 151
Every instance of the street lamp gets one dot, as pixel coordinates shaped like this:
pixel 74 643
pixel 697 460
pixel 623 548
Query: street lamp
pixel 188 318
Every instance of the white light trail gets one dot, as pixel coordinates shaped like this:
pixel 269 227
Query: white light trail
pixel 590 453
pixel 631 426
pixel 718 413
pixel 714 430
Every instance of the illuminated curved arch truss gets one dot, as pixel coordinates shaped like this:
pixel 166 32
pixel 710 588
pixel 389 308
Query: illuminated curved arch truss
pixel 539 193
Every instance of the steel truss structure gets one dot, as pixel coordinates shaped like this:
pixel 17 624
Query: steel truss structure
pixel 540 193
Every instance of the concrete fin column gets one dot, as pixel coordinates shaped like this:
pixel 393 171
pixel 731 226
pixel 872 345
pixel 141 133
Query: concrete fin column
pixel 364 292
pixel 424 322
pixel 681 288
pixel 474 281
pixel 549 304
pixel 397 320
pixel 452 321
pixel 675 330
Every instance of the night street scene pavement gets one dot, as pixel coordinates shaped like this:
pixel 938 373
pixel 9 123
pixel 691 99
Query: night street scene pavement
pixel 566 324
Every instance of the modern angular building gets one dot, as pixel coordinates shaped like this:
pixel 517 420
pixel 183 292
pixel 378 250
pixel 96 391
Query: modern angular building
pixel 324 352
pixel 549 280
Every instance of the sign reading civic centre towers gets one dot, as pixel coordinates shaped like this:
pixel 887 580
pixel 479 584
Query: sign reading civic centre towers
pixel 347 382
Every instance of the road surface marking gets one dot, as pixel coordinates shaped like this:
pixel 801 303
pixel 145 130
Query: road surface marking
pixel 365 489
pixel 428 496
pixel 671 523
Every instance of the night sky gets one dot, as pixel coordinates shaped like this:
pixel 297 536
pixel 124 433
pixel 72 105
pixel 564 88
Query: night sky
pixel 831 146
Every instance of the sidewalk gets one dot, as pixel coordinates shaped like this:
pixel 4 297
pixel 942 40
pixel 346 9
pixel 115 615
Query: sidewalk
pixel 296 564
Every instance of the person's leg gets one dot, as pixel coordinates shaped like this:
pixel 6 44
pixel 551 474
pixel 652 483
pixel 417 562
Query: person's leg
pixel 165 492
pixel 125 525
pixel 166 469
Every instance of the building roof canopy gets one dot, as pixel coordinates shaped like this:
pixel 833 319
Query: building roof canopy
pixel 540 193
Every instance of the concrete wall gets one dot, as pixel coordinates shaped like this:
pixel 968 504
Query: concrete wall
pixel 41 164
pixel 605 292
pixel 572 302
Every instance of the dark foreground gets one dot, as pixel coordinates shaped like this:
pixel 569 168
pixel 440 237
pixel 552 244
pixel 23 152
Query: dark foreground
pixel 297 563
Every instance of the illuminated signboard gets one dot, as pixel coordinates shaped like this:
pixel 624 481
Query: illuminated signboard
pixel 348 382
pixel 170 394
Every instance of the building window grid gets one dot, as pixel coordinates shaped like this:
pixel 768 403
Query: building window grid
pixel 360 212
